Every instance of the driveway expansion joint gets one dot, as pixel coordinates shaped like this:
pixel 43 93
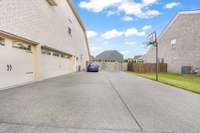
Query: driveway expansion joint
pixel 124 103
pixel 46 126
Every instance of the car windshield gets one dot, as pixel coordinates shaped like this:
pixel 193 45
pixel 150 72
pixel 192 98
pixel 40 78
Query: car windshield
pixel 93 65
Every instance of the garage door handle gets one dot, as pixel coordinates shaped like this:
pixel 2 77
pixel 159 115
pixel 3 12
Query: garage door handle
pixel 29 73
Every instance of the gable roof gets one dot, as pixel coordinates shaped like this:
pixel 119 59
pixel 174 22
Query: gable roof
pixel 174 19
pixel 110 55
pixel 137 57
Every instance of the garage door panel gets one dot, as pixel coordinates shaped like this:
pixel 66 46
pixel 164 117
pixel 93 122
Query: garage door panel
pixel 22 65
pixel 49 66
pixel 52 66
pixel 19 63
pixel 5 75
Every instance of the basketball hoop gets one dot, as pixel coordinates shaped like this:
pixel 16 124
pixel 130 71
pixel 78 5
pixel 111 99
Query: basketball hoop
pixel 151 39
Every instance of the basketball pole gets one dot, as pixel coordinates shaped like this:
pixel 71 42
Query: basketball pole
pixel 155 44
pixel 157 58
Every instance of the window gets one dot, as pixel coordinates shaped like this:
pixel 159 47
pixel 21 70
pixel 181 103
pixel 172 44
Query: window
pixel 64 56
pixel 56 54
pixel 49 51
pixel 69 31
pixel 22 46
pixel 2 41
pixel 45 51
pixel 52 2
pixel 70 20
pixel 173 43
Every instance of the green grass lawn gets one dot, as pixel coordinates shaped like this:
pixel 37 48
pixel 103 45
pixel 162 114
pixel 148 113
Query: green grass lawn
pixel 187 82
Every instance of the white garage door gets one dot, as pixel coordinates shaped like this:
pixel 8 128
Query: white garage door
pixel 52 66
pixel 15 64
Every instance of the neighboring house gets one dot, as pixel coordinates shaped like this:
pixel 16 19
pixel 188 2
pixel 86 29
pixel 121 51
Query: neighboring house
pixel 40 39
pixel 110 55
pixel 179 43
pixel 138 58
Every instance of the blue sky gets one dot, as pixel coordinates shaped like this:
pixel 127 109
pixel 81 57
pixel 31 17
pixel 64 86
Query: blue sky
pixel 124 24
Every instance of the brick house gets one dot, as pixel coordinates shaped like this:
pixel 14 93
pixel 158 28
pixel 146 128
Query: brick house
pixel 110 55
pixel 179 43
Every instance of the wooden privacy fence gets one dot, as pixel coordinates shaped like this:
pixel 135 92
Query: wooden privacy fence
pixel 147 67
pixel 110 66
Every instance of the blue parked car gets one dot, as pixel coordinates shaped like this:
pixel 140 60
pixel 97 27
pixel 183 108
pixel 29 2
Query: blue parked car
pixel 93 68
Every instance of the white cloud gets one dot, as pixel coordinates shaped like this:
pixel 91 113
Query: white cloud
pixel 127 33
pixel 98 5
pixel 112 34
pixel 95 50
pixel 136 9
pixel 129 7
pixel 171 5
pixel 91 34
pixel 147 27
pixel 150 14
pixel 111 13
pixel 130 43
pixel 127 18
pixel 125 53
pixel 105 42
pixel 133 32
pixel 149 1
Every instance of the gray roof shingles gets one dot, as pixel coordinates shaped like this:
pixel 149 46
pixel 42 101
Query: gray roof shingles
pixel 113 55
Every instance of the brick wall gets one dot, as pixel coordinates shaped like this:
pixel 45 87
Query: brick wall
pixel 185 30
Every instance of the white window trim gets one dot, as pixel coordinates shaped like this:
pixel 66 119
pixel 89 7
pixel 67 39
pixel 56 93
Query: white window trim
pixel 173 43
pixel 46 52
pixel 21 46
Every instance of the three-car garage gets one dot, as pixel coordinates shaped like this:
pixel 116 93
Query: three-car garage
pixel 24 61
pixel 39 40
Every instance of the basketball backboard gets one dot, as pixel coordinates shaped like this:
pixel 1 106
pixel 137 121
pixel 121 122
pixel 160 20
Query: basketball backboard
pixel 151 39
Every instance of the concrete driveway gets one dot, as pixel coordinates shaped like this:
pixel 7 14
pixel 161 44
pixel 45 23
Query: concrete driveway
pixel 99 103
